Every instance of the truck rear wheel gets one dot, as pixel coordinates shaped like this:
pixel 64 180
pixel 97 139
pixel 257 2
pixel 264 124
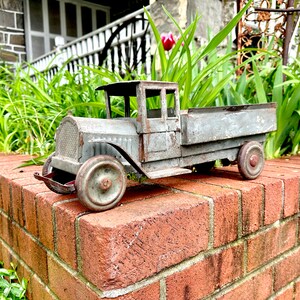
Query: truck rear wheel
pixel 101 182
pixel 251 160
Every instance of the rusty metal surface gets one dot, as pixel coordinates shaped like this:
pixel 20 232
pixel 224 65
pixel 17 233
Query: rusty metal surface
pixel 163 142
pixel 251 160
pixel 101 182
pixel 75 135
pixel 213 124
pixel 66 188
pixel 267 23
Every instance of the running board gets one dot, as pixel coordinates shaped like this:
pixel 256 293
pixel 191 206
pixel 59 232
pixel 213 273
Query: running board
pixel 168 172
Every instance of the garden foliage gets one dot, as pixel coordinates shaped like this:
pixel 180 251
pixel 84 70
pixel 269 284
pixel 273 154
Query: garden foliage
pixel 11 286
pixel 33 106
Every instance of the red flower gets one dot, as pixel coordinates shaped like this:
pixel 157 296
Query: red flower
pixel 168 40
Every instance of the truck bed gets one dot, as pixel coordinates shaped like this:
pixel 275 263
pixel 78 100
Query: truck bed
pixel 201 125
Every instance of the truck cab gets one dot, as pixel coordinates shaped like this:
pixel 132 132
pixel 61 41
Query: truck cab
pixel 158 128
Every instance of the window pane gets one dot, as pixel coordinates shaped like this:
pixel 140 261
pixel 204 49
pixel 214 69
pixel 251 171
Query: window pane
pixel 52 44
pixel 38 47
pixel 101 18
pixel 71 17
pixel 54 16
pixel 36 15
pixel 86 16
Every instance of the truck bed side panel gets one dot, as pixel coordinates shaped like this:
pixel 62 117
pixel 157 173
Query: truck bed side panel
pixel 213 124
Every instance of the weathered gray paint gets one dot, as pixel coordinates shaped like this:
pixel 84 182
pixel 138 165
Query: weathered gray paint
pixel 164 146
pixel 214 124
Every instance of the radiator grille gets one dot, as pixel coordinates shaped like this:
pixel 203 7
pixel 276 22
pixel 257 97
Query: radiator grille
pixel 67 141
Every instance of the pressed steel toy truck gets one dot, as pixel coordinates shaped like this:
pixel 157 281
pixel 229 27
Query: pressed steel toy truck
pixel 91 155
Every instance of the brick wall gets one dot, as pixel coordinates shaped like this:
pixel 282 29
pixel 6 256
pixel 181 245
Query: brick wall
pixel 12 38
pixel 185 237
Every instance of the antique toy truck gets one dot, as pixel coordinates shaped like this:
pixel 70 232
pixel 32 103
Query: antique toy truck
pixel 92 155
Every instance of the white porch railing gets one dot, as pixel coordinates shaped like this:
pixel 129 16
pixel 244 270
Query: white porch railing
pixel 121 46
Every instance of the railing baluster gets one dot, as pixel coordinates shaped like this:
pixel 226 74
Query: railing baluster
pixel 129 48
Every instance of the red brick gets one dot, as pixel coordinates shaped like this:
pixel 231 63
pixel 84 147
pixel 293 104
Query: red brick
pixel 38 290
pixel 66 285
pixel 17 203
pixel 299 230
pixel 45 202
pixel 270 243
pixel 252 200
pixel 287 270
pixel 4 157
pixel 5 195
pixel 27 248
pixel 151 292
pixel 7 178
pixel 273 201
pixel 5 229
pixel 273 193
pixel 258 287
pixel 226 219
pixel 285 161
pixel 30 206
pixel 291 197
pixel 204 277
pixel 140 192
pixel 291 189
pixel 6 255
pixel 65 217
pixel 10 171
pixel 273 198
pixel 297 290
pixel 31 252
pixel 226 205
pixel 129 243
pixel 287 294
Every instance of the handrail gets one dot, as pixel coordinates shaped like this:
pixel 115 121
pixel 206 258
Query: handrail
pixel 91 45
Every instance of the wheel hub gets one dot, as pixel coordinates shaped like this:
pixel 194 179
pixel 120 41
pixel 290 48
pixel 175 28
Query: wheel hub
pixel 105 184
pixel 254 160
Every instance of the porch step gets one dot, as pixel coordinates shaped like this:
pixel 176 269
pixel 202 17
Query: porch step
pixel 168 172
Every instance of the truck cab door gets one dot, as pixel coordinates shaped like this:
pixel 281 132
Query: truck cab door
pixel 160 136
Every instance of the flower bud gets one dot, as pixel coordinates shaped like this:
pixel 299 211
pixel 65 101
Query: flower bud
pixel 168 40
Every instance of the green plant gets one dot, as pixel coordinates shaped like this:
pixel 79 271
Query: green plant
pixel 11 286
pixel 202 73
pixel 286 93
pixel 32 106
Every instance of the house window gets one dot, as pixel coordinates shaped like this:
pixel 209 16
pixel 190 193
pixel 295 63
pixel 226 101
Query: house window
pixel 47 19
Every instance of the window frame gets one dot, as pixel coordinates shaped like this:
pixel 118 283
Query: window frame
pixel 46 33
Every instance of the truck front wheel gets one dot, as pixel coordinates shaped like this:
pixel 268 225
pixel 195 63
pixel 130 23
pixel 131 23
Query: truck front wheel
pixel 101 182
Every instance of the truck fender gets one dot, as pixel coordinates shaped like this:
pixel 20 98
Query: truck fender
pixel 123 152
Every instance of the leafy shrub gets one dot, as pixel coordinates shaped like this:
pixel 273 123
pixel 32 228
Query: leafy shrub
pixel 11 287
pixel 33 106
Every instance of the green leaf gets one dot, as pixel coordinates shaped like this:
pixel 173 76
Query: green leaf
pixel 215 42
pixel 261 94
pixel 161 50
